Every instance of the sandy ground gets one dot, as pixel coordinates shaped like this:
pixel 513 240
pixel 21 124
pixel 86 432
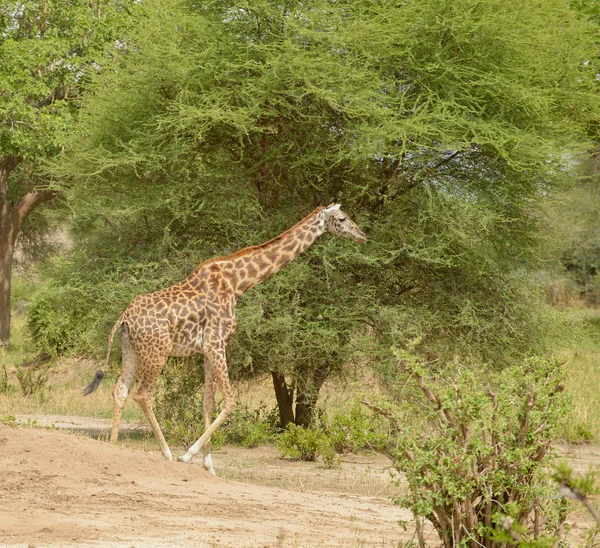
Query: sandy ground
pixel 67 489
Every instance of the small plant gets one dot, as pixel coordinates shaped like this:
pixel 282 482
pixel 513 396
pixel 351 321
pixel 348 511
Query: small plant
pixel 355 430
pixel 578 433
pixel 9 420
pixel 307 444
pixel 179 408
pixel 249 428
pixel 31 382
pixel 179 402
pixel 580 488
pixel 4 380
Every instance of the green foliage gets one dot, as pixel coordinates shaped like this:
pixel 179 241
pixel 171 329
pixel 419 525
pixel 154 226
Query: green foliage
pixel 178 404
pixel 440 126
pixel 354 430
pixel 475 449
pixel 250 428
pixel 48 50
pixel 179 409
pixel 345 432
pixel 307 444
pixel 590 8
pixel 54 322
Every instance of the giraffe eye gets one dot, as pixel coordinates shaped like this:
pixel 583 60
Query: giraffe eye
pixel 342 219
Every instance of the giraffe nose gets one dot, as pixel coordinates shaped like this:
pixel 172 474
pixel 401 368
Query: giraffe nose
pixel 361 238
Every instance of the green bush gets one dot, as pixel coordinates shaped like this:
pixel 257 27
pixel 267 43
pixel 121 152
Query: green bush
pixel 179 402
pixel 74 309
pixel 475 450
pixel 56 317
pixel 179 408
pixel 250 428
pixel 307 444
pixel 355 430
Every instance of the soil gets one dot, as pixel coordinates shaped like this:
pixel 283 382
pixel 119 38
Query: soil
pixel 67 489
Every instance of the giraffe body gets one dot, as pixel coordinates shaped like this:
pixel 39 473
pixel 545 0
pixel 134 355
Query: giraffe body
pixel 198 315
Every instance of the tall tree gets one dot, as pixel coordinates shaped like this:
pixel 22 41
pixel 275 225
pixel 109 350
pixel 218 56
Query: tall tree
pixel 46 49
pixel 440 126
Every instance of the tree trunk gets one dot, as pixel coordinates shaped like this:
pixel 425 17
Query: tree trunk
pixel 7 241
pixel 11 219
pixel 285 399
pixel 307 394
pixel 6 256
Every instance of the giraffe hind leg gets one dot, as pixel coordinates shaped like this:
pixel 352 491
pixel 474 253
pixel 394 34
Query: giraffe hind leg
pixel 123 386
pixel 151 370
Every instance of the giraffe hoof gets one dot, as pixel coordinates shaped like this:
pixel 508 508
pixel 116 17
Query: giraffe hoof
pixel 184 458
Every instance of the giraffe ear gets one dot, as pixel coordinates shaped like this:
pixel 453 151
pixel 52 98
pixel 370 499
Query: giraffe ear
pixel 333 207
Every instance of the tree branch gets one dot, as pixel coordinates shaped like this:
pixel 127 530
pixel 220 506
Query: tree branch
pixel 30 201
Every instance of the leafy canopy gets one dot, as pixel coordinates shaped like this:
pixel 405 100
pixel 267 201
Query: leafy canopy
pixel 440 127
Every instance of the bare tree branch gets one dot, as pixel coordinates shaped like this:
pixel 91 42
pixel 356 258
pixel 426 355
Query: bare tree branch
pixel 30 201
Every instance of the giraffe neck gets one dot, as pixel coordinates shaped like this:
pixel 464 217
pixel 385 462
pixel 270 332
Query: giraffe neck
pixel 254 265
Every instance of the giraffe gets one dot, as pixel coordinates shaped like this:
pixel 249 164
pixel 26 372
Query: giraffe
pixel 197 315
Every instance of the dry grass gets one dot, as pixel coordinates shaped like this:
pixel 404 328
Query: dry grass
pixel 367 473
pixel 583 381
pixel 583 374
pixel 61 394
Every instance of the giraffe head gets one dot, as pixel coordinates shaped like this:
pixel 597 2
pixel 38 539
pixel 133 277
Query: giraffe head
pixel 339 223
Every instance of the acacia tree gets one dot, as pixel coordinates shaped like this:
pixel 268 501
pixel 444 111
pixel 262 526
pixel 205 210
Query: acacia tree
pixel 439 126
pixel 46 48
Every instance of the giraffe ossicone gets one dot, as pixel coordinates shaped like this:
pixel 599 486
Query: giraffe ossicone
pixel 197 315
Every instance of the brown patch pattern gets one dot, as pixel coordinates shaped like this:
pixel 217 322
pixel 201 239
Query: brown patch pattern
pixel 198 315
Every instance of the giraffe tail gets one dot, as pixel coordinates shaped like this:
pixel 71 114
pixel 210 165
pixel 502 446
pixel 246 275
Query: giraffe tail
pixel 95 383
pixel 100 374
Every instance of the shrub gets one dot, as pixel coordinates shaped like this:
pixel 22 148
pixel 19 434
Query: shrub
pixel 307 444
pixel 355 430
pixel 474 451
pixel 179 402
pixel 250 428
pixel 179 408
pixel 31 381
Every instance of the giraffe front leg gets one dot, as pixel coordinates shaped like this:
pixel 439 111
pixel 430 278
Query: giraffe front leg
pixel 125 382
pixel 209 406
pixel 218 364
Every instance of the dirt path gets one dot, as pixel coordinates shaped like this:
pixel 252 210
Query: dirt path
pixel 60 489
pixel 66 489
